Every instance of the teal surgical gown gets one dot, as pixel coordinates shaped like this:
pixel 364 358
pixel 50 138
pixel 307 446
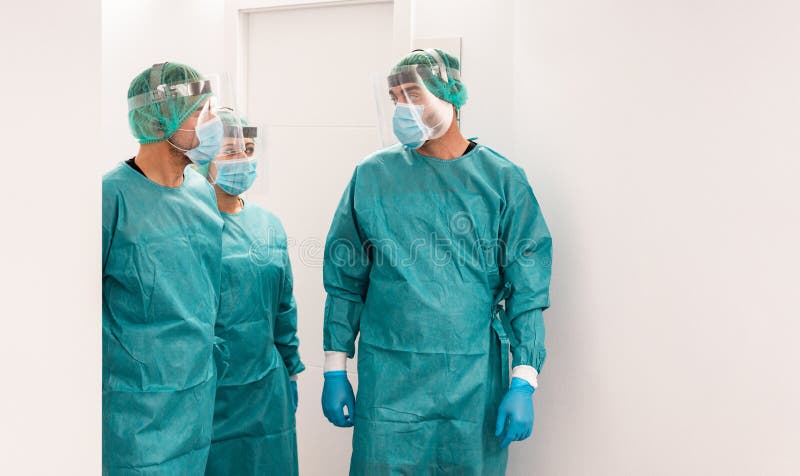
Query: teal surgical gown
pixel 162 250
pixel 254 423
pixel 419 256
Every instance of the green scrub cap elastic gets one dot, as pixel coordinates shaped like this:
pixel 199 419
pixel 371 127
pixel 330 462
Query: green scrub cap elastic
pixel 231 123
pixel 162 97
pixel 440 72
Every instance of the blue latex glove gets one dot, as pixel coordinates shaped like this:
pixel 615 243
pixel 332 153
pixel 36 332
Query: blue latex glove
pixel 293 384
pixel 516 413
pixel 337 394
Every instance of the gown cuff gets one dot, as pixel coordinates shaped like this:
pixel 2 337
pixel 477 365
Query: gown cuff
pixel 335 360
pixel 526 372
pixel 293 378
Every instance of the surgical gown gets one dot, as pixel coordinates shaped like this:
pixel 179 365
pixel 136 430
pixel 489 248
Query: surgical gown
pixel 420 255
pixel 162 250
pixel 254 423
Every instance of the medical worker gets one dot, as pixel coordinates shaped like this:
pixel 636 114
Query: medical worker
pixel 438 259
pixel 162 241
pixel 258 361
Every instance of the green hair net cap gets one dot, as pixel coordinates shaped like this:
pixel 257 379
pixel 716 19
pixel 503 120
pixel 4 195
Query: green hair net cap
pixel 228 117
pixel 235 126
pixel 452 91
pixel 157 121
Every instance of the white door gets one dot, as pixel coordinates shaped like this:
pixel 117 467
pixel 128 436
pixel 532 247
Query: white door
pixel 309 88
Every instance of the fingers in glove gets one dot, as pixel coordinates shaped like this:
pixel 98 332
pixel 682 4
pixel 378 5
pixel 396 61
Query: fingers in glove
pixel 502 415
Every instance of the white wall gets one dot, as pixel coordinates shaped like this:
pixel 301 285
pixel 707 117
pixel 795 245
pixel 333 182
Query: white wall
pixel 662 139
pixel 50 242
pixel 139 33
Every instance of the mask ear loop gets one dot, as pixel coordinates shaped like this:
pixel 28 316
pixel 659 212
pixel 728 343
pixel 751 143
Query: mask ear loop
pixel 207 105
pixel 156 84
pixel 169 141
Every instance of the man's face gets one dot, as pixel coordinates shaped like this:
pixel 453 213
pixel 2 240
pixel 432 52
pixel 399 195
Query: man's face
pixel 409 93
pixel 186 136
pixel 417 95
pixel 434 109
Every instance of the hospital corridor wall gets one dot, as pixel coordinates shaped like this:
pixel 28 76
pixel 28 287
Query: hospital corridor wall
pixel 661 139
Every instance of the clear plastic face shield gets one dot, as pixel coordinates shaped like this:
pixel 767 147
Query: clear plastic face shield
pixel 199 135
pixel 222 85
pixel 250 135
pixel 412 114
pixel 234 169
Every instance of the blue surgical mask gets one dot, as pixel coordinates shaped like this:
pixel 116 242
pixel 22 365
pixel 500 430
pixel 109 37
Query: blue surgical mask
pixel 235 176
pixel 210 135
pixel 408 126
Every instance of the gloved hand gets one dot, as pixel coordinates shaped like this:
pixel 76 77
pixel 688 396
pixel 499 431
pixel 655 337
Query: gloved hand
pixel 293 384
pixel 337 394
pixel 516 413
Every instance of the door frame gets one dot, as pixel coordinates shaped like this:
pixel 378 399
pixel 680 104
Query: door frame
pixel 237 14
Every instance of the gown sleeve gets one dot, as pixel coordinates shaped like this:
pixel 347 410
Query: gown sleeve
pixel 109 220
pixel 346 268
pixel 286 339
pixel 526 257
